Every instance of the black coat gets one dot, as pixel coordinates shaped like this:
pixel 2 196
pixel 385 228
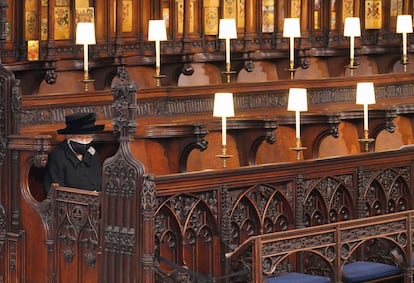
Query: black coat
pixel 64 168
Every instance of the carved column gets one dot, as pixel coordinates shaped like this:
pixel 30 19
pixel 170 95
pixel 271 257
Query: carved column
pixel 10 234
pixel 128 199
pixel 360 193
pixel 300 202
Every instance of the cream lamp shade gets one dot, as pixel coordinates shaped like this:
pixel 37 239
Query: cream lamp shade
pixel 227 29
pixel 223 105
pixel 365 93
pixel 85 33
pixel 157 30
pixel 291 27
pixel 352 27
pixel 404 24
pixel 297 99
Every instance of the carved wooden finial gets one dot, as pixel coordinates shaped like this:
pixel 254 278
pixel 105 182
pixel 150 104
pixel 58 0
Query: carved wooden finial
pixel 124 107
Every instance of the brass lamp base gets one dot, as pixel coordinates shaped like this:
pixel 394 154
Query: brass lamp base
pixel 228 75
pixel 405 62
pixel 366 141
pixel 224 156
pixel 298 148
pixel 158 78
pixel 291 69
pixel 351 68
pixel 292 72
pixel 86 80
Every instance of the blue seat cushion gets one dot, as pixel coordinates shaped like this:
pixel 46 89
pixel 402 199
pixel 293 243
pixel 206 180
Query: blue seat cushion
pixel 298 278
pixel 361 271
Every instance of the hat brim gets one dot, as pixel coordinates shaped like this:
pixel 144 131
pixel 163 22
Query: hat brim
pixel 81 131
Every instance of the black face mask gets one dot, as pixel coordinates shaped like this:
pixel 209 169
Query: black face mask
pixel 80 148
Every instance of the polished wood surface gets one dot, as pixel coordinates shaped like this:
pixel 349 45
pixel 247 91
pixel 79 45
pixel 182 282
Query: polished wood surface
pixel 168 211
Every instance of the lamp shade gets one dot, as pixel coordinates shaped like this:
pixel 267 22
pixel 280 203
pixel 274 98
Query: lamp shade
pixel 227 29
pixel 365 93
pixel 291 27
pixel 85 33
pixel 297 99
pixel 223 105
pixel 157 30
pixel 352 27
pixel 404 24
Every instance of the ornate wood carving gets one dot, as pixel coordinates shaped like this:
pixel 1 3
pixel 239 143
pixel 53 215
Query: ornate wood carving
pixel 73 217
pixel 325 249
pixel 126 187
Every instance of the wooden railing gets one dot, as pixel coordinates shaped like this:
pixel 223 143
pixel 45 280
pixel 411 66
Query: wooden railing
pixel 234 205
pixel 386 239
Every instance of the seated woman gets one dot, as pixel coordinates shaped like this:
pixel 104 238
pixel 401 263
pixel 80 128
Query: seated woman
pixel 74 162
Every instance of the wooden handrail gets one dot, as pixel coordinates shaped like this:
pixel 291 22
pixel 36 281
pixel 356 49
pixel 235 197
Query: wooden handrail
pixel 335 236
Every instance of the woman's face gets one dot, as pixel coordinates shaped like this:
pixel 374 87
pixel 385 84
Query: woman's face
pixel 83 139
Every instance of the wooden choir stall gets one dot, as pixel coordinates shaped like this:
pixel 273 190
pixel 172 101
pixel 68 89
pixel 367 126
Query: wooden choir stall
pixel 246 223
pixel 275 192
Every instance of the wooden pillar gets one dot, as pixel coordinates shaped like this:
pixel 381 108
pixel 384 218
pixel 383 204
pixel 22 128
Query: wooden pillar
pixel 127 234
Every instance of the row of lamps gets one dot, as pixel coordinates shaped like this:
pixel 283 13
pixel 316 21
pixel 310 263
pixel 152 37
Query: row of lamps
pixel 85 35
pixel 297 102
pixel 352 29
pixel 223 102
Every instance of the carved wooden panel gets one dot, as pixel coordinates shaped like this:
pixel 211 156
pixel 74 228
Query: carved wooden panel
pixel 187 232
pixel 386 191
pixel 328 199
pixel 261 209
pixel 76 235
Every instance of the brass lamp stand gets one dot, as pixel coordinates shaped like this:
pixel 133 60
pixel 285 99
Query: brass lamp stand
pixel 366 141
pixel 158 76
pixel 86 80
pixel 224 156
pixel 298 148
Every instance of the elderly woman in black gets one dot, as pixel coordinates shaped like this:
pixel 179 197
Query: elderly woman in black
pixel 74 162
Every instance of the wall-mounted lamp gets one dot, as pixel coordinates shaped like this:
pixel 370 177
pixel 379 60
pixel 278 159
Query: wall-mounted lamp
pixel 352 28
pixel 404 26
pixel 291 29
pixel 157 32
pixel 85 34
pixel 223 107
pixel 365 95
pixel 227 31
pixel 298 102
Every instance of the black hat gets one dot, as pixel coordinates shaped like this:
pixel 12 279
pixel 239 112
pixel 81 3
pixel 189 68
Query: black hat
pixel 81 123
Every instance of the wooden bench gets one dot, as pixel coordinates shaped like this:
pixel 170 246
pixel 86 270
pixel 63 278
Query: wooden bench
pixel 336 249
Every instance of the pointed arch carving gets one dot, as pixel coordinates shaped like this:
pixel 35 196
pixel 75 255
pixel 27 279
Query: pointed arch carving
pixel 329 199
pixel 386 191
pixel 260 209
pixel 188 224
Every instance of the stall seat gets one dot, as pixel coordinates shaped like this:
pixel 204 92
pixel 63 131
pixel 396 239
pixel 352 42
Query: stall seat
pixel 364 271
pixel 298 278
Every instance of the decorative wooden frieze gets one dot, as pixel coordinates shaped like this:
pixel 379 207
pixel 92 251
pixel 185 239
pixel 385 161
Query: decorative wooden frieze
pixel 41 116
pixel 358 234
pixel 119 240
pixel 91 201
pixel 306 242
